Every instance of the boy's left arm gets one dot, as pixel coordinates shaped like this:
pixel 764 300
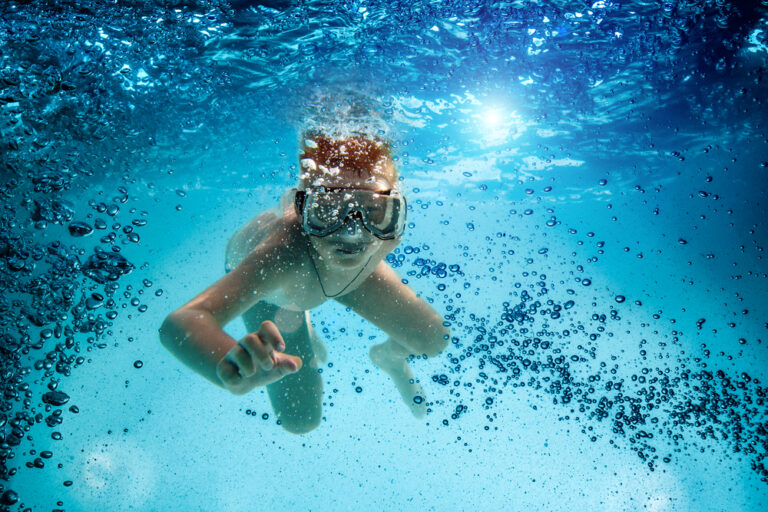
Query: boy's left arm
pixel 392 306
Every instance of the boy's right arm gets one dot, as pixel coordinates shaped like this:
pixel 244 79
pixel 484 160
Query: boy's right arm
pixel 194 334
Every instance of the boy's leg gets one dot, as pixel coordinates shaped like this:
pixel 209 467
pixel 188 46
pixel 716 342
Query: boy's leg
pixel 296 398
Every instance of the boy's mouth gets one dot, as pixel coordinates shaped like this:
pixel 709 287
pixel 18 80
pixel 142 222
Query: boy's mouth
pixel 349 251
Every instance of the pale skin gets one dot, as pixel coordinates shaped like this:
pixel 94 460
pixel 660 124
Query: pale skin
pixel 273 287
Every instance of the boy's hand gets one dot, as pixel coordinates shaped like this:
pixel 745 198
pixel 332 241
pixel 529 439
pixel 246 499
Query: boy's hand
pixel 256 360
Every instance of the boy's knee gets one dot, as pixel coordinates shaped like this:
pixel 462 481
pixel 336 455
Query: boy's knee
pixel 300 425
pixel 297 400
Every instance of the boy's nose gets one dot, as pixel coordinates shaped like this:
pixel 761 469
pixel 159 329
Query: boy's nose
pixel 353 225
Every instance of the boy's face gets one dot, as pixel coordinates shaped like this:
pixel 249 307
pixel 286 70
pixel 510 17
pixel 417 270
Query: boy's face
pixel 352 244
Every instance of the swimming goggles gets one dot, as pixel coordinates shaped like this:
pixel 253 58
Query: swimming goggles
pixel 325 210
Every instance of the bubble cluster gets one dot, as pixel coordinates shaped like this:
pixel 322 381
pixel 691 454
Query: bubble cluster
pixel 546 347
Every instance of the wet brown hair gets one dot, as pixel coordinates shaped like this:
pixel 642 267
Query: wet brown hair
pixel 356 155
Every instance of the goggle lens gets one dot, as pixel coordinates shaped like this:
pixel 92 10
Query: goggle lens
pixel 324 211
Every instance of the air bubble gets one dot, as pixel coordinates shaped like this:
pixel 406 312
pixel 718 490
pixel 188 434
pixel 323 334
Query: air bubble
pixel 79 229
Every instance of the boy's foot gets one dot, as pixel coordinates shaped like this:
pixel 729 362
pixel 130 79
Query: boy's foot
pixel 398 370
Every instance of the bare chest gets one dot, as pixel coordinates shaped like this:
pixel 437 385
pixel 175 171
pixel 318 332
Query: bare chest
pixel 299 291
pixel 307 287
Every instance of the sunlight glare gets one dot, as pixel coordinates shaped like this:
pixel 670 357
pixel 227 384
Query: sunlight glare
pixel 498 125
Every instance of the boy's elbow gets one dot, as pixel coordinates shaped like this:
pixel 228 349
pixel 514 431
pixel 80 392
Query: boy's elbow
pixel 169 329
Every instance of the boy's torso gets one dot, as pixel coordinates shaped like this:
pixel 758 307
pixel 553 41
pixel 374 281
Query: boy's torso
pixel 299 287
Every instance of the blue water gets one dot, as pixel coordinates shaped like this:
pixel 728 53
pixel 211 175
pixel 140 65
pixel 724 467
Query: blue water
pixel 587 201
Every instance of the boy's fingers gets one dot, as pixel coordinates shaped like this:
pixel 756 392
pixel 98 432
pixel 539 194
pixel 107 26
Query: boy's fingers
pixel 227 372
pixel 241 358
pixel 286 363
pixel 271 335
pixel 257 351
pixel 231 374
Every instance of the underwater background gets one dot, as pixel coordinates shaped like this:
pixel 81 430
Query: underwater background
pixel 587 208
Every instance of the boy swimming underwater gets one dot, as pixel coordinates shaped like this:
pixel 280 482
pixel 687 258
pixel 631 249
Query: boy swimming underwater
pixel 346 215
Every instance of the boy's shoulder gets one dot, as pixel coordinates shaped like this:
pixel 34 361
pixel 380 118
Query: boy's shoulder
pixel 284 238
pixel 271 232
